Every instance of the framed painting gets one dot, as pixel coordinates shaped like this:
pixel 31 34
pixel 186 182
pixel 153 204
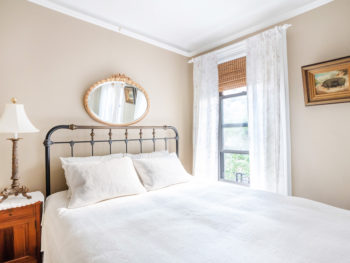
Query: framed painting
pixel 327 82
pixel 130 96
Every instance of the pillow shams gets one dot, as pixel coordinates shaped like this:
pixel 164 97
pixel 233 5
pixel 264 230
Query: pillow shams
pixel 97 159
pixel 148 155
pixel 88 159
pixel 66 160
pixel 156 173
pixel 90 183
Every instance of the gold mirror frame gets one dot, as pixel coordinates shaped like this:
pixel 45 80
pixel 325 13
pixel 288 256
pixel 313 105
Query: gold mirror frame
pixel 116 77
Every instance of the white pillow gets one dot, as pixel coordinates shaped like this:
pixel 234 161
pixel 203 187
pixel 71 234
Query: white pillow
pixel 88 159
pixel 66 160
pixel 147 155
pixel 97 159
pixel 92 182
pixel 159 172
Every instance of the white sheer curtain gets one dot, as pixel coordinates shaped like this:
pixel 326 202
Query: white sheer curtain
pixel 205 117
pixel 267 85
pixel 111 101
pixel 107 102
pixel 140 104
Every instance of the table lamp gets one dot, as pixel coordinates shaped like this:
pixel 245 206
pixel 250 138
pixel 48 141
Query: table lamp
pixel 14 120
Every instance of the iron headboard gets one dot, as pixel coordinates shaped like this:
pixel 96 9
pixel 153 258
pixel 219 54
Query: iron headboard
pixel 48 142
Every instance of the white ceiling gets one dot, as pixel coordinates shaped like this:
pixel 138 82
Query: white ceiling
pixel 187 27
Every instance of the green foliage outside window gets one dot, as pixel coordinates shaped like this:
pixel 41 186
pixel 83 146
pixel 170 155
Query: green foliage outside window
pixel 236 163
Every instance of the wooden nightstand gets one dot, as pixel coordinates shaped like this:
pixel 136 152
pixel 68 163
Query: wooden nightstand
pixel 20 229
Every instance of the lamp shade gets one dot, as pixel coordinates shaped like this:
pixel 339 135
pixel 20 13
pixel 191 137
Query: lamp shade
pixel 15 120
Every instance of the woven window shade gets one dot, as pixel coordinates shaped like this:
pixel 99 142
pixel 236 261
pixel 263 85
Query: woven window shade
pixel 232 74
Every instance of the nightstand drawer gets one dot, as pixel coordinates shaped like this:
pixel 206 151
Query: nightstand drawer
pixel 17 213
pixel 20 234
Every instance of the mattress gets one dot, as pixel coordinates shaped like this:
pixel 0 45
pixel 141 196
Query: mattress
pixel 196 222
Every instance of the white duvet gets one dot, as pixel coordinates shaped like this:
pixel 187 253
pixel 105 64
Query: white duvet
pixel 196 223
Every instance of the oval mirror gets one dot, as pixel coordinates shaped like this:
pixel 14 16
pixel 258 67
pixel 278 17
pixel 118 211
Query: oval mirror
pixel 117 101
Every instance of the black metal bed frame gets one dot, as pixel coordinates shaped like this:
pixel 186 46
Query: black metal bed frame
pixel 48 142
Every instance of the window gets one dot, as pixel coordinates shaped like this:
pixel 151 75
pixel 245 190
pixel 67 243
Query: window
pixel 233 130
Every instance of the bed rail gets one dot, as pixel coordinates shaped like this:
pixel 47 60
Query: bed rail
pixel 110 140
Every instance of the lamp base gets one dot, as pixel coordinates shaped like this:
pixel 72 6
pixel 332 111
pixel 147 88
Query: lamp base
pixel 15 188
pixel 14 191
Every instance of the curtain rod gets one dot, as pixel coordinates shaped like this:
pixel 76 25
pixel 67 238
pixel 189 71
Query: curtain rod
pixel 236 47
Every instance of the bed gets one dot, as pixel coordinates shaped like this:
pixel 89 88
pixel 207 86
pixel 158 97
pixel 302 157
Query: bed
pixel 195 222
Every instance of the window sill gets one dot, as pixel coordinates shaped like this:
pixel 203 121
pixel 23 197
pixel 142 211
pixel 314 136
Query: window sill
pixel 232 182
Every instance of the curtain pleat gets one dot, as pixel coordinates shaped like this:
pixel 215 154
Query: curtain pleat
pixel 205 117
pixel 269 129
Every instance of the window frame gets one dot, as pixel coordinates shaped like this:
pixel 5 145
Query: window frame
pixel 222 151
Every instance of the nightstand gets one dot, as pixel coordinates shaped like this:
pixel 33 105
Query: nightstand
pixel 20 228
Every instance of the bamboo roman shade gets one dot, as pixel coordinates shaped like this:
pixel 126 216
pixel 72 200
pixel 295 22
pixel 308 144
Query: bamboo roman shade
pixel 232 74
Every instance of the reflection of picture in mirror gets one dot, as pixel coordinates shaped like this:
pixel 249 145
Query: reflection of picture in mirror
pixel 130 95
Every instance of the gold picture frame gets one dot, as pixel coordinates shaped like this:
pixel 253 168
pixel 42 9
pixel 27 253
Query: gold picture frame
pixel 130 95
pixel 327 82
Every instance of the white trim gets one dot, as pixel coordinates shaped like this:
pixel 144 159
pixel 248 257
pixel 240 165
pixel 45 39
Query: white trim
pixel 231 52
pixel 108 25
pixel 117 28
pixel 228 53
pixel 265 24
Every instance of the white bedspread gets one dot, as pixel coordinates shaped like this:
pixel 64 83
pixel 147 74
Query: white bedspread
pixel 197 223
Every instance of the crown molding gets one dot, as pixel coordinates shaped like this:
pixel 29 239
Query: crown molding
pixel 108 25
pixel 120 29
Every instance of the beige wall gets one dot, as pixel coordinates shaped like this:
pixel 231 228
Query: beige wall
pixel 320 134
pixel 48 60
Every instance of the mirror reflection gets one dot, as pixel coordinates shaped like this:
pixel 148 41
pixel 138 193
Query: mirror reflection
pixel 116 103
